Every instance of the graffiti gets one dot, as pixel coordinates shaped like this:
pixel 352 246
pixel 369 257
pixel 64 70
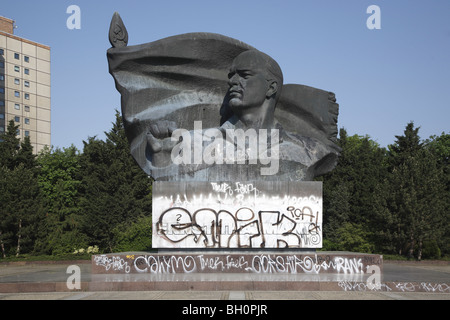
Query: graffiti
pixel 307 264
pixel 435 287
pixel 239 188
pixel 217 264
pixel 423 286
pixel 243 229
pixel 156 264
pixel 112 263
pixel 250 263
pixel 237 215
pixel 362 286
pixel 245 188
pixel 396 286
pixel 222 187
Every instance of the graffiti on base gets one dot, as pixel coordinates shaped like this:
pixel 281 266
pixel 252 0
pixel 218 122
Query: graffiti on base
pixel 396 286
pixel 112 263
pixel 237 215
pixel 261 263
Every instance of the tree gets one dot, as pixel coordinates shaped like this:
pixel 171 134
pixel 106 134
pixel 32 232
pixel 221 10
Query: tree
pixel 21 207
pixel 415 195
pixel 9 146
pixel 440 147
pixel 352 189
pixel 59 181
pixel 115 191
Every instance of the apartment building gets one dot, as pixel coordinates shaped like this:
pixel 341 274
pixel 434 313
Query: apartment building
pixel 25 86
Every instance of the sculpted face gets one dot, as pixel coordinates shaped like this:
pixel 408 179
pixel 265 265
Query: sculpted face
pixel 248 81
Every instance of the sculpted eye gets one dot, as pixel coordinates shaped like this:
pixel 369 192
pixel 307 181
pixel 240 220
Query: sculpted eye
pixel 245 75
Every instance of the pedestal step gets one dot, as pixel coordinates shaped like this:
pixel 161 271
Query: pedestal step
pixel 252 262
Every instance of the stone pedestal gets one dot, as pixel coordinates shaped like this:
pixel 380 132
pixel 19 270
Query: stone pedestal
pixel 237 215
pixel 242 261
pixel 240 270
pixel 259 235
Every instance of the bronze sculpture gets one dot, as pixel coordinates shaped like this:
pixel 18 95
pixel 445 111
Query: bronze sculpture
pixel 173 83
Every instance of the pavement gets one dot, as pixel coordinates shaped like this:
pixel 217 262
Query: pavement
pixel 49 281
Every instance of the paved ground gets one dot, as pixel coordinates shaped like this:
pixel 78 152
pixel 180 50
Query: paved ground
pixel 225 295
pixel 433 280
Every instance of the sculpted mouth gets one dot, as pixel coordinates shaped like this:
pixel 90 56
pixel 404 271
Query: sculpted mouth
pixel 234 93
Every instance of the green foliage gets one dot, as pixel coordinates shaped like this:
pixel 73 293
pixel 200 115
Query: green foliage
pixel 114 190
pixel 66 199
pixel 353 237
pixel 352 191
pixel 391 201
pixel 328 245
pixel 60 181
pixel 9 147
pixel 136 237
pixel 431 250
pixel 416 193
pixel 21 206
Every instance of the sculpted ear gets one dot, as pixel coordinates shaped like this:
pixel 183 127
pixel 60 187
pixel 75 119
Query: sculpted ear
pixel 273 89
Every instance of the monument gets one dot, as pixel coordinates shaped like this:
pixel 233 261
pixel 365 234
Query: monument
pixel 233 152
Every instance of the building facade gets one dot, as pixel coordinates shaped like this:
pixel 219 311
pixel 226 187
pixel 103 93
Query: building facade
pixel 25 86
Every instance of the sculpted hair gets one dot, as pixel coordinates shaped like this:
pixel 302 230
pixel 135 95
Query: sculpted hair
pixel 273 71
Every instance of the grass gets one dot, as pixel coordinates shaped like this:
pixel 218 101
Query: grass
pixel 66 257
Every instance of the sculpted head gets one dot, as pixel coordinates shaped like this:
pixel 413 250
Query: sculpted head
pixel 255 80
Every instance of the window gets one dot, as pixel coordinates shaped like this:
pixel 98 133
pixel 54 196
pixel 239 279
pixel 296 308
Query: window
pixel 27 108
pixel 27 71
pixel 27 96
pixel 16 81
pixel 17 94
pixel 2 77
pixel 2 129
pixel 2 52
pixel 2 103
pixel 27 133
pixel 17 106
pixel 26 83
pixel 16 56
pixel 17 119
pixel 2 116
pixel 26 59
pixel 27 121
pixel 16 68
pixel 2 90
pixel 2 64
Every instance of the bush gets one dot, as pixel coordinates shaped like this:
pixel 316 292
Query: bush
pixel 431 250
pixel 137 237
pixel 328 245
pixel 353 238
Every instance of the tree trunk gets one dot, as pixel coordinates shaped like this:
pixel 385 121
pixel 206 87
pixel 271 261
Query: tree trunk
pixel 18 238
pixel 2 246
pixel 419 254
pixel 411 247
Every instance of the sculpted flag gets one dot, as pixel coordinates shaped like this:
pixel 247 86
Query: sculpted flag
pixel 184 78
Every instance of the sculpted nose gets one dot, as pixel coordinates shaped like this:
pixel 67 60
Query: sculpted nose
pixel 233 80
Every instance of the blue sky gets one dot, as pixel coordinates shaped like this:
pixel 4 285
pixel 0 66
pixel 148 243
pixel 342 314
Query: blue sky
pixel 383 78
